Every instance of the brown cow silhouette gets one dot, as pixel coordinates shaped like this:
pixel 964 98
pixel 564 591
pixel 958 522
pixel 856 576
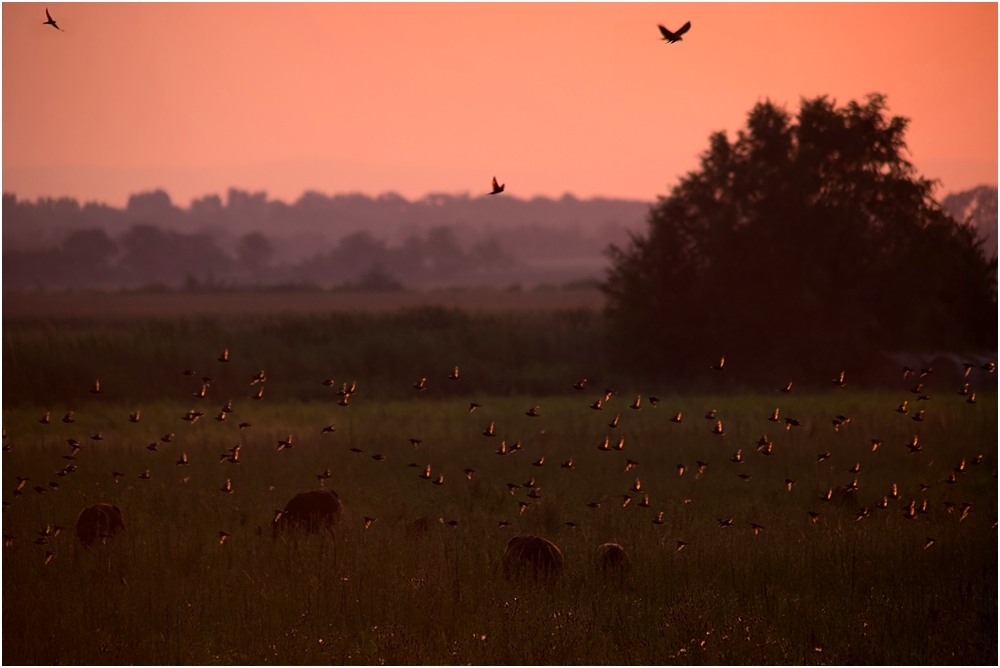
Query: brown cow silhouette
pixel 613 557
pixel 542 556
pixel 311 511
pixel 99 521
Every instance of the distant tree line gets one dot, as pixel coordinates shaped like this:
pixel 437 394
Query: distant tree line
pixel 565 231
pixel 806 246
pixel 148 255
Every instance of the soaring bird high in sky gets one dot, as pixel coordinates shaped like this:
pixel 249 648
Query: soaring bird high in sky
pixel 672 37
pixel 51 21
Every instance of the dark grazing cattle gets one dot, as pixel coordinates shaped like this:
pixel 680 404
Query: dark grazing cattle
pixel 528 551
pixel 99 521
pixel 311 511
pixel 613 557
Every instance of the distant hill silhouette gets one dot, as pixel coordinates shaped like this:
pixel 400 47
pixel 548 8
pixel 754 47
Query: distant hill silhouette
pixel 979 205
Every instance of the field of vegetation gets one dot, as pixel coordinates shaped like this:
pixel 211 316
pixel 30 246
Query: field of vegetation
pixel 292 300
pixel 48 359
pixel 859 585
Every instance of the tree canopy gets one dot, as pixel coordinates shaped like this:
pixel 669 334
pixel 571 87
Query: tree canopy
pixel 807 241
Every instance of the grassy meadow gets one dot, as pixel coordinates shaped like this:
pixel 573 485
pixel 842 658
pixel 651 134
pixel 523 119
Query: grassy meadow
pixel 835 591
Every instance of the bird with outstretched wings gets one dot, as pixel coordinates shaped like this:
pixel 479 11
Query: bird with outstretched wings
pixel 497 187
pixel 51 21
pixel 672 37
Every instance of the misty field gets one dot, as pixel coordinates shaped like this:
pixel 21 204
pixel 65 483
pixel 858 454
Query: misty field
pixel 174 303
pixel 839 590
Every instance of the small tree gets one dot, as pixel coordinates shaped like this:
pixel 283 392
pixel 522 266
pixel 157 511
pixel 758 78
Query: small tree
pixel 810 241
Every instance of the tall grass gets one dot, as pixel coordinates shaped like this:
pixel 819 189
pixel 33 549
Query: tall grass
pixel 47 360
pixel 836 591
pixel 52 361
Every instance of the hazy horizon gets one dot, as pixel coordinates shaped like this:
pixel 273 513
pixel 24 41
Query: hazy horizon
pixel 385 194
pixel 941 193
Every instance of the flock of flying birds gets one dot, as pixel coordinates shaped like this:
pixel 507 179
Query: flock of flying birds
pixel 764 446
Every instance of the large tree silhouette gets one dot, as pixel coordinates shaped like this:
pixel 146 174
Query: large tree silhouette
pixel 807 242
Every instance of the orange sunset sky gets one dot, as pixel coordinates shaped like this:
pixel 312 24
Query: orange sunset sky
pixel 552 98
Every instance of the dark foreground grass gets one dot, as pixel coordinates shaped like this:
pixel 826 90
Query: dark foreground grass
pixel 836 591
